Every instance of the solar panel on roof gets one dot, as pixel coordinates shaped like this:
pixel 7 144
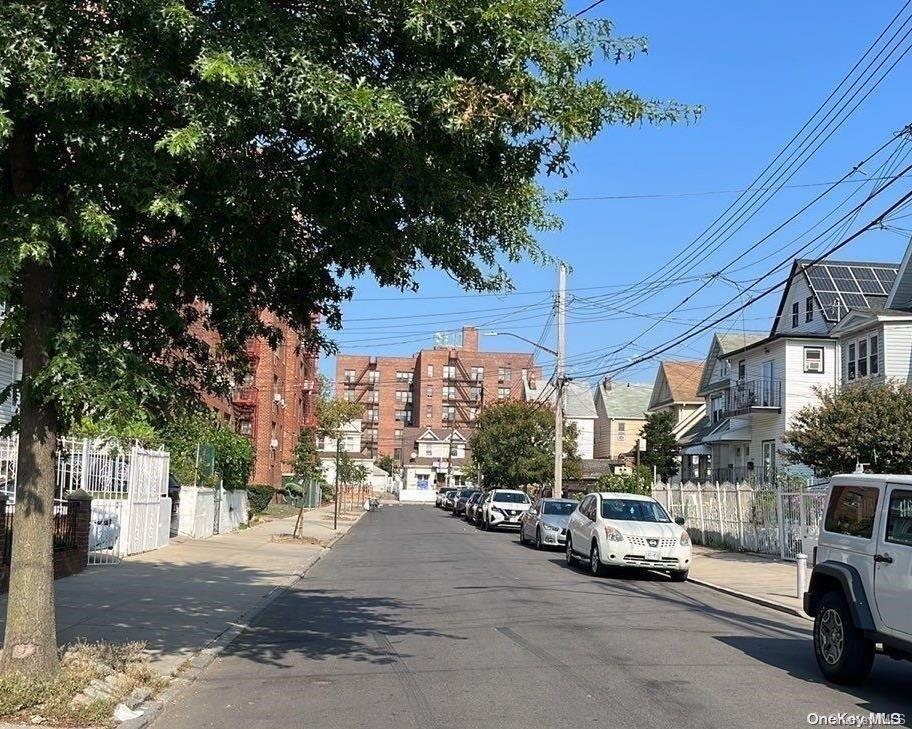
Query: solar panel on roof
pixel 854 301
pixel 843 279
pixel 820 279
pixel 867 280
pixel 886 276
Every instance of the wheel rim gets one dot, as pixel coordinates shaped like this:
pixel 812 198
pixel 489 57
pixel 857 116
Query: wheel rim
pixel 594 560
pixel 569 551
pixel 832 636
pixel 538 539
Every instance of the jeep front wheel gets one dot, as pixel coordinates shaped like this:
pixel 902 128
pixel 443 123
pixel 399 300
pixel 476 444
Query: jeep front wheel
pixel 844 655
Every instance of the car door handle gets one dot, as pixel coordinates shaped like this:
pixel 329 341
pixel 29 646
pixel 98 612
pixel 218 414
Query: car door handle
pixel 885 558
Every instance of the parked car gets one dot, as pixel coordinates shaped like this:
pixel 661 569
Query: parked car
pixel 860 592
pixel 503 507
pixel 545 524
pixel 462 498
pixel 473 510
pixel 468 512
pixel 449 499
pixel 441 497
pixel 627 530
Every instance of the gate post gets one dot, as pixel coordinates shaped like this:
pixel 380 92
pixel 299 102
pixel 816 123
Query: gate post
pixel 780 521
pixel 739 516
pixel 802 517
pixel 700 514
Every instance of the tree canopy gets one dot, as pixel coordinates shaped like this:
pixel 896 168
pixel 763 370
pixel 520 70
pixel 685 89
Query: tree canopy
pixel 661 444
pixel 869 424
pixel 513 444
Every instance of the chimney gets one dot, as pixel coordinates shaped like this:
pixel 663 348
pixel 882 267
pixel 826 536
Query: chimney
pixel 470 339
pixel 606 383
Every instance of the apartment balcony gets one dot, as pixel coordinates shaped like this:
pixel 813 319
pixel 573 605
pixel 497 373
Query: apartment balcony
pixel 753 396
pixel 244 399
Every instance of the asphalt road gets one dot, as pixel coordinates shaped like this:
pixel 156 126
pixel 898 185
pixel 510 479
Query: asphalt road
pixel 417 620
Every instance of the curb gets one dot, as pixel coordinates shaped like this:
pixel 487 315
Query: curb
pixel 191 669
pixel 797 612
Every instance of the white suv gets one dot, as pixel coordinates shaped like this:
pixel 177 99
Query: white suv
pixel 627 530
pixel 503 507
pixel 860 591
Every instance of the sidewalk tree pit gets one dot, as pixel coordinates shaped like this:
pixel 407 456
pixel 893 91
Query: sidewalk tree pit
pixel 161 175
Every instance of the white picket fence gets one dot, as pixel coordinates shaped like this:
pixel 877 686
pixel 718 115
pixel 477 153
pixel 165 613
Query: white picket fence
pixel 744 517
pixel 131 510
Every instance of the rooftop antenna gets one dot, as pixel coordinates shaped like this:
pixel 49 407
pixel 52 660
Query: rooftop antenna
pixel 860 467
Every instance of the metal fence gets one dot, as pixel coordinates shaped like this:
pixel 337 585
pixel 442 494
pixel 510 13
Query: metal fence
pixel 127 486
pixel 767 519
pixel 65 522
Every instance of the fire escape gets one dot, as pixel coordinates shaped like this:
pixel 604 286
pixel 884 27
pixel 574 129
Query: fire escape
pixel 244 398
pixel 464 393
pixel 365 389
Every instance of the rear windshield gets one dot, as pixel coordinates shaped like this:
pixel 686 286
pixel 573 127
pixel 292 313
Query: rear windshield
pixel 511 498
pixel 633 510
pixel 558 507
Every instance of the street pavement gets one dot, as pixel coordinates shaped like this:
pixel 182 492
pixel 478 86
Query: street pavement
pixel 418 620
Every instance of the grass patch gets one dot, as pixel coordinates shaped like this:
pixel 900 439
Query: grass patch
pixel 93 679
pixel 280 511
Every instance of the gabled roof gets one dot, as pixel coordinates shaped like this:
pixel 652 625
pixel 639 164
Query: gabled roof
pixel 625 400
pixel 722 344
pixel 855 320
pixel 838 286
pixel 676 383
pixel 578 401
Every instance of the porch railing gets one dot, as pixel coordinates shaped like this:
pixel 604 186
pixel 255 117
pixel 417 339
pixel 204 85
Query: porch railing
pixel 748 395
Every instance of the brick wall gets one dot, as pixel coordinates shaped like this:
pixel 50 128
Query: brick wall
pixel 68 561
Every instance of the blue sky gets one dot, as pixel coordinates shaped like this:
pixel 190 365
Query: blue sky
pixel 760 70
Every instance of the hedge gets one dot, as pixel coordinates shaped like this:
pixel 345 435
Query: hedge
pixel 259 497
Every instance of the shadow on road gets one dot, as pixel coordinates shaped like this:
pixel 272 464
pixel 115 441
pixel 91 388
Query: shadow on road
pixel 325 624
pixel 881 693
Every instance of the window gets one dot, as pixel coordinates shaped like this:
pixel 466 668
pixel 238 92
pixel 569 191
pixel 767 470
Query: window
pixel 851 511
pixel 429 412
pixel 245 427
pixel 899 518
pixel 430 370
pixel 349 375
pixel 428 450
pixel 373 377
pixel 723 368
pixel 813 359
pixel 449 372
pixel 403 415
pixel 473 413
pixel 430 391
pixel 348 395
pixel 850 373
pixel 373 396
pixel 794 315
pixel 874 357
pixel 862 358
pixel 622 431
pixel 403 376
pixel 350 443
pixel 403 396
pixel 478 373
pixel 503 392
pixel 809 309
pixel 397 454
pixel 449 392
pixel 717 407
pixel 504 374
pixel 372 415
pixel 449 412
pixel 742 370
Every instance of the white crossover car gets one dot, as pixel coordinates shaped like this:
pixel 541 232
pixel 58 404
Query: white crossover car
pixel 627 530
pixel 503 508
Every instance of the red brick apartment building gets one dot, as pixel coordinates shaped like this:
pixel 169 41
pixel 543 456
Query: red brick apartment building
pixel 276 401
pixel 441 387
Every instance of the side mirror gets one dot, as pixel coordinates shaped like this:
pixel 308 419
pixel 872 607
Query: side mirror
pixel 680 521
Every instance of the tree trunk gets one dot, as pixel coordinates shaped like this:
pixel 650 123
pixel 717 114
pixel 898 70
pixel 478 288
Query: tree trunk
pixel 30 644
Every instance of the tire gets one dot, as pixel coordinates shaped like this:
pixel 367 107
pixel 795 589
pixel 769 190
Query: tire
pixel 595 561
pixel 679 575
pixel 522 535
pixel 485 525
pixel 538 541
pixel 843 654
pixel 569 555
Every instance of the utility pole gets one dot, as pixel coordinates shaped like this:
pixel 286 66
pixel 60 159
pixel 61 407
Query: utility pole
pixel 558 489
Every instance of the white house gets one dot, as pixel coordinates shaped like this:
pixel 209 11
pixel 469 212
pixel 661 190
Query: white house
pixel 350 443
pixel 436 458
pixel 579 410
pixel 675 389
pixel 621 410
pixel 771 379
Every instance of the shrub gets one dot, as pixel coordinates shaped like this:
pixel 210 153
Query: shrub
pixel 258 497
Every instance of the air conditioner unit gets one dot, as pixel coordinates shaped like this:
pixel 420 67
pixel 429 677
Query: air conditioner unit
pixel 274 443
pixel 814 365
pixel 278 399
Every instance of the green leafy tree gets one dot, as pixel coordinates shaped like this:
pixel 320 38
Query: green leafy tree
pixel 233 452
pixel 163 153
pixel 513 444
pixel 661 444
pixel 388 464
pixel 867 423
pixel 307 457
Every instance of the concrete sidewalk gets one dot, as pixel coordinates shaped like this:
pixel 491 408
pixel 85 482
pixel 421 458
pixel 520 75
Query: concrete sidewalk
pixel 760 579
pixel 179 599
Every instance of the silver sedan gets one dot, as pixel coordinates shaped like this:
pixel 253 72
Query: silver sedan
pixel 545 524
